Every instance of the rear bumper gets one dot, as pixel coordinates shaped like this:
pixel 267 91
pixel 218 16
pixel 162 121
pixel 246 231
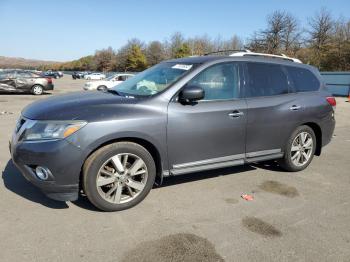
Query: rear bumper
pixel 62 159
pixel 327 128
pixel 49 87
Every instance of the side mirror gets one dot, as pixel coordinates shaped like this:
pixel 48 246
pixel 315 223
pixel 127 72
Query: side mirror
pixel 191 94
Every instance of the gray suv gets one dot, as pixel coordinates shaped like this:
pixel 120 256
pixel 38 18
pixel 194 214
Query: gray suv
pixel 178 117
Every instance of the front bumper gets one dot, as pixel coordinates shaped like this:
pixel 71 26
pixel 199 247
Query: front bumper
pixel 61 157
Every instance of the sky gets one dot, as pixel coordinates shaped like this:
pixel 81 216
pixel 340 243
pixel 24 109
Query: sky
pixel 66 30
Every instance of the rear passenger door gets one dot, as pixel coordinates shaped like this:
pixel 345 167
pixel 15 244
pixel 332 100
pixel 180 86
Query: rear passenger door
pixel 273 109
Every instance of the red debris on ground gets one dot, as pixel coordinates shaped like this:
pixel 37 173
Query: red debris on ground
pixel 247 197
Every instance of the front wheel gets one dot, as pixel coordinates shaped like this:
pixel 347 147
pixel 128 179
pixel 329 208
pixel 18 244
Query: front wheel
pixel 37 90
pixel 118 176
pixel 102 88
pixel 300 149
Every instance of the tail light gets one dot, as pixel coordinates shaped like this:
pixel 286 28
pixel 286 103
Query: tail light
pixel 331 100
pixel 49 80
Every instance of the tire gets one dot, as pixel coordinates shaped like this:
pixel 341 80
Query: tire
pixel 37 90
pixel 102 88
pixel 298 155
pixel 102 166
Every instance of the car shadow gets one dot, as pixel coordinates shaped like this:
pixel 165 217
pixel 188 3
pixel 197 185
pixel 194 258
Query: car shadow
pixel 15 182
pixel 271 165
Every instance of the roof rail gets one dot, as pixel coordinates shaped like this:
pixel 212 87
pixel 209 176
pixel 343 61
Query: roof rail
pixel 249 53
pixel 227 50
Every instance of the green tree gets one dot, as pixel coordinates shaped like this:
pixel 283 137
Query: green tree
pixel 182 51
pixel 135 59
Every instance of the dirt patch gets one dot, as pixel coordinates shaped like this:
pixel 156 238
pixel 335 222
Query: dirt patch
pixel 231 201
pixel 259 226
pixel 279 188
pixel 177 247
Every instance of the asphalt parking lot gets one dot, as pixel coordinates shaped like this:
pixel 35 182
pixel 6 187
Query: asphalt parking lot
pixel 200 217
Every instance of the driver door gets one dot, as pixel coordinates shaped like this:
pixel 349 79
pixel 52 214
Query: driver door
pixel 211 132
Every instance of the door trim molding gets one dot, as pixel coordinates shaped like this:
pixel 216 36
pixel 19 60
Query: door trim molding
pixel 263 152
pixel 209 161
pixel 226 161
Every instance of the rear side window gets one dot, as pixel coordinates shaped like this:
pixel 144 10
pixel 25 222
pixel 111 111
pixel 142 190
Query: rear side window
pixel 265 80
pixel 303 80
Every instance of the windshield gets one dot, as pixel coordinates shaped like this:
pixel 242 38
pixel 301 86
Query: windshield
pixel 154 79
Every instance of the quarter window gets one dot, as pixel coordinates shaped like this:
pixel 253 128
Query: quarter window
pixel 219 82
pixel 303 79
pixel 265 80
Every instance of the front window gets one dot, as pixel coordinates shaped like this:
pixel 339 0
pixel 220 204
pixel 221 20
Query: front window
pixel 154 79
pixel 219 82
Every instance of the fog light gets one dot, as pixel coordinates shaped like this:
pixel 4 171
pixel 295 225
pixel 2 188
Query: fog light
pixel 42 172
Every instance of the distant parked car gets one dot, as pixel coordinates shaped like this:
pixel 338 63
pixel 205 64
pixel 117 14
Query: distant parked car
pixel 94 76
pixel 75 75
pixel 53 74
pixel 108 82
pixel 24 81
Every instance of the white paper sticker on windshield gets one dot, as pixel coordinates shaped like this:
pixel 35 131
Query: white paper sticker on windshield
pixel 182 67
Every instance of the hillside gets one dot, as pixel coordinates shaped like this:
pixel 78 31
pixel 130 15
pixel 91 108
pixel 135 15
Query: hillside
pixel 18 62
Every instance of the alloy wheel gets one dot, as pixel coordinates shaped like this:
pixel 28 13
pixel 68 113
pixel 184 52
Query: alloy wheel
pixel 302 148
pixel 37 90
pixel 121 178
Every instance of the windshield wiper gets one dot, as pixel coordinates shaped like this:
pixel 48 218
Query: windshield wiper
pixel 114 92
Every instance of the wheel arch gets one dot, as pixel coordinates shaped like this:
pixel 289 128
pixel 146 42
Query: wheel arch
pixel 149 146
pixel 318 133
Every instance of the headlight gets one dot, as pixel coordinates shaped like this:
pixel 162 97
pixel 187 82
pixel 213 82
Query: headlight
pixel 41 130
pixel 87 84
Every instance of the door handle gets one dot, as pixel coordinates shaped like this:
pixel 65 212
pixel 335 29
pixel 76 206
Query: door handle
pixel 295 107
pixel 236 114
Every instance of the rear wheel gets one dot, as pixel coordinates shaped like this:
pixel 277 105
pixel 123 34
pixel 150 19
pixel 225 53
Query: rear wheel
pixel 37 90
pixel 300 149
pixel 118 176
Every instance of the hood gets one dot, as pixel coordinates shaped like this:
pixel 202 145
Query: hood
pixel 89 106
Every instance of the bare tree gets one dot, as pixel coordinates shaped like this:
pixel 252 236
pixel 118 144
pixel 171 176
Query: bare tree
pixel 200 45
pixel 274 32
pixel 104 59
pixel 320 33
pixel 282 34
pixel 291 34
pixel 155 53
